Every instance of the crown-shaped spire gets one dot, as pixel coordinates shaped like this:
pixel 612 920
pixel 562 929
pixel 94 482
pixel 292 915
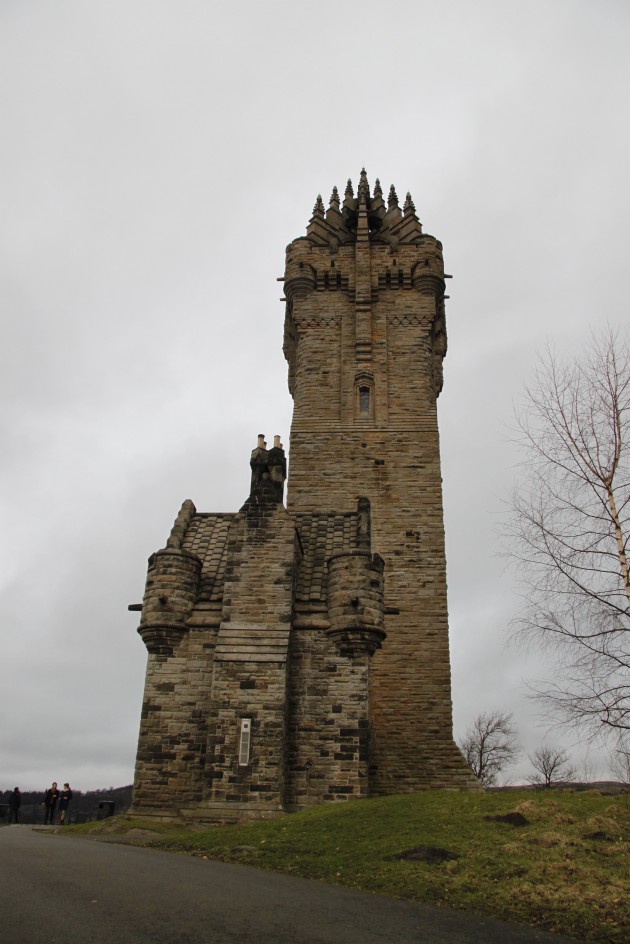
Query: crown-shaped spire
pixel 366 215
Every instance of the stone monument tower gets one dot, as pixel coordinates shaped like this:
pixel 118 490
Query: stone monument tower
pixel 365 336
pixel 300 655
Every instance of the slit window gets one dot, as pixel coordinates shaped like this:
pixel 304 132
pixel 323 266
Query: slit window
pixel 364 396
pixel 245 742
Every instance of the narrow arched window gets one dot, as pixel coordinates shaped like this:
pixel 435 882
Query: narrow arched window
pixel 364 396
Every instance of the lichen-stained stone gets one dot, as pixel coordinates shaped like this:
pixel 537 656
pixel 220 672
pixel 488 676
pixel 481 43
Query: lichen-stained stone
pixel 299 654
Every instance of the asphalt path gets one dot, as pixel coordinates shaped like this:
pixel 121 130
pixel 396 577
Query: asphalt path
pixel 56 888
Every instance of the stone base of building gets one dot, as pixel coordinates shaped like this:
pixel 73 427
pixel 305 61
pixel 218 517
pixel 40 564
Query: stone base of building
pixel 154 816
pixel 450 773
pixel 230 813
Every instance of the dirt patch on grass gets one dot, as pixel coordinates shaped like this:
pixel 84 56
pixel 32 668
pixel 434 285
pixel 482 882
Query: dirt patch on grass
pixel 512 819
pixel 548 840
pixel 431 854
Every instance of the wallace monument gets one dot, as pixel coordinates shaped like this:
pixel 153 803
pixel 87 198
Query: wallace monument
pixel 299 653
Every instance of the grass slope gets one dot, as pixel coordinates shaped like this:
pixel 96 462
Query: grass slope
pixel 566 869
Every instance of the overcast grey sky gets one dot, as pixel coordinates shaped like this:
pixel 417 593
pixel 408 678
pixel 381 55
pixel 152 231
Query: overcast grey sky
pixel 156 158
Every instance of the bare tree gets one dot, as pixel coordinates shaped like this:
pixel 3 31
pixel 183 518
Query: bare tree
pixel 570 530
pixel 551 766
pixel 620 761
pixel 490 745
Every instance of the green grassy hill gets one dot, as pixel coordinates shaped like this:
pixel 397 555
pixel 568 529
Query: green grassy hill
pixel 557 860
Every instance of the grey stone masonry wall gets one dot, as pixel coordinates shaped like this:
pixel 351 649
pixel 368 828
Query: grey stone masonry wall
pixel 365 337
pixel 249 679
pixel 328 735
pixel 171 745
pixel 173 729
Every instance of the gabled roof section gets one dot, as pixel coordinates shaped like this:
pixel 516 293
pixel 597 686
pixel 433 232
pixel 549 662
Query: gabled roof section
pixel 322 535
pixel 207 537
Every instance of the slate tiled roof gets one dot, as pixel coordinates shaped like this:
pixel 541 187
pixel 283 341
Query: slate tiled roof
pixel 321 536
pixel 207 537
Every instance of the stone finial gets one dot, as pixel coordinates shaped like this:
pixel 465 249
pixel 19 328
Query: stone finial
pixel 318 209
pixel 409 206
pixel 392 199
pixel 378 192
pixel 334 198
pixel 363 190
pixel 349 194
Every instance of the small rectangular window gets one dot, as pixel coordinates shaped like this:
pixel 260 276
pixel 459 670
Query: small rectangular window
pixel 245 741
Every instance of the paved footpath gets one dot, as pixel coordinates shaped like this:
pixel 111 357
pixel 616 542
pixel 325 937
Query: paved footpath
pixel 68 889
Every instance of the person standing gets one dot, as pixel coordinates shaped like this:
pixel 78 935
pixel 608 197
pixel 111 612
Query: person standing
pixel 15 802
pixel 64 803
pixel 50 802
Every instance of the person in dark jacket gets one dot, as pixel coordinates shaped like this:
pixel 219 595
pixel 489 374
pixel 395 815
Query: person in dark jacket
pixel 50 802
pixel 64 803
pixel 15 802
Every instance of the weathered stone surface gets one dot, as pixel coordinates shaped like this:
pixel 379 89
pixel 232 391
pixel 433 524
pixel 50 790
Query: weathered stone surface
pixel 365 337
pixel 322 627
